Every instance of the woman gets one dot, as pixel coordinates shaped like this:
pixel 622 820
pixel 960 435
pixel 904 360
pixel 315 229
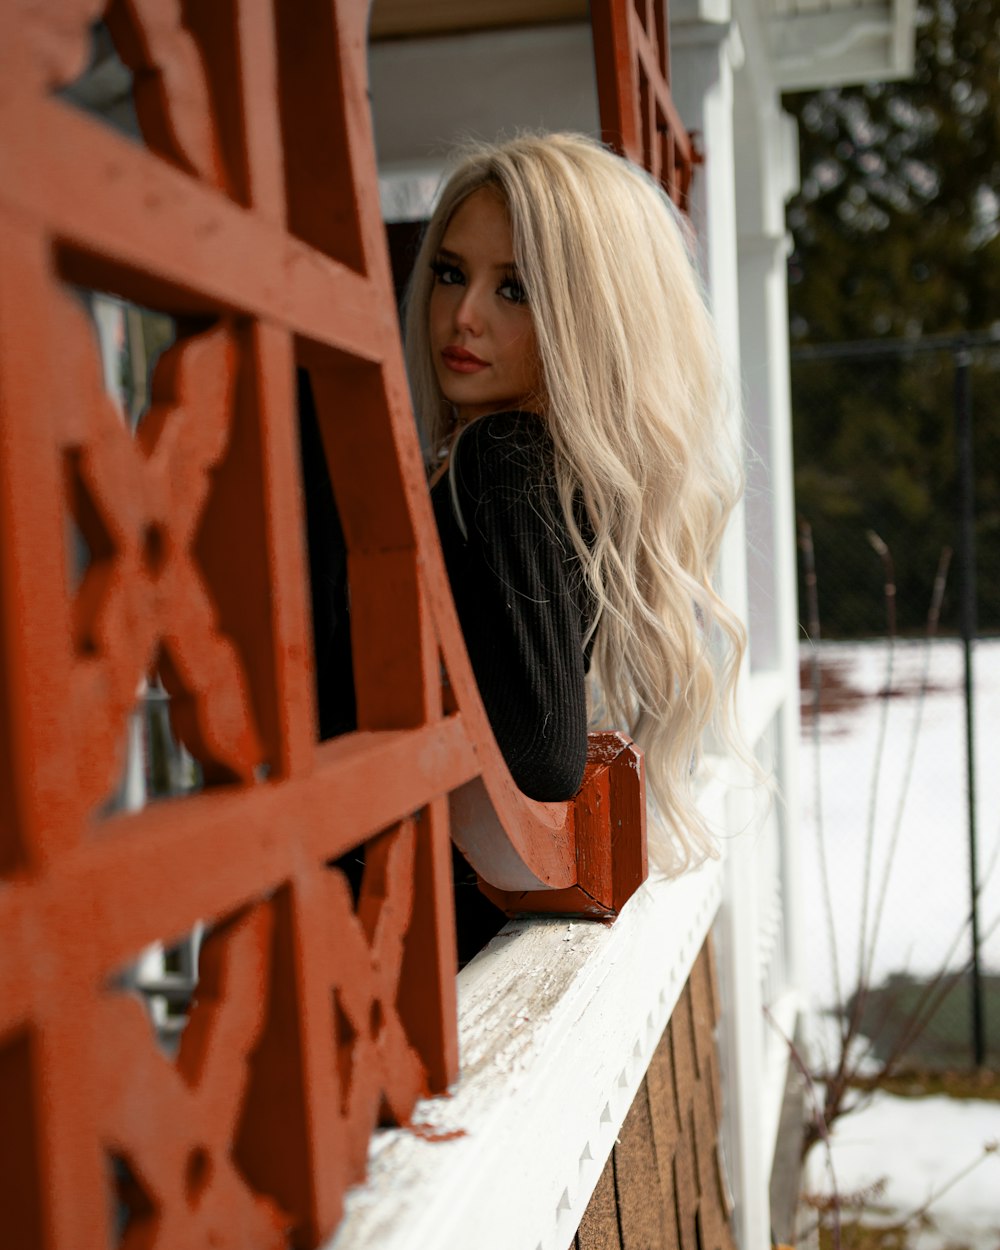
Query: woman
pixel 566 374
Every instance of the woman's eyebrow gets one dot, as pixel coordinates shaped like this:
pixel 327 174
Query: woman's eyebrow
pixel 455 258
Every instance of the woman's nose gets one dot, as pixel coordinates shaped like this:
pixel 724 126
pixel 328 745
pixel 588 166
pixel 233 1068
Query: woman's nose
pixel 468 314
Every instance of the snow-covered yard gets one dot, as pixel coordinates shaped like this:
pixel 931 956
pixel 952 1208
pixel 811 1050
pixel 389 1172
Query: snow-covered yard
pixel 904 776
pixel 927 898
pixel 916 1146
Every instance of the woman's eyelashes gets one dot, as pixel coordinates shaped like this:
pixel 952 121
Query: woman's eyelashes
pixel 448 273
pixel 512 290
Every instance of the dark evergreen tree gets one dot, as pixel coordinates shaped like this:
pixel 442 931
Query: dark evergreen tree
pixel 897 236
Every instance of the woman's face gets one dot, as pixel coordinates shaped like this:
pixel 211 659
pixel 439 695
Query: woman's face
pixel 482 336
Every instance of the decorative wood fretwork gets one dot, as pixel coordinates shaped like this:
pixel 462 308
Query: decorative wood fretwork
pixel 638 117
pixel 251 218
pixel 663 1187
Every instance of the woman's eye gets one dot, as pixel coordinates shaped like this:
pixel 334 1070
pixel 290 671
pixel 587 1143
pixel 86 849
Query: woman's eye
pixel 513 291
pixel 447 275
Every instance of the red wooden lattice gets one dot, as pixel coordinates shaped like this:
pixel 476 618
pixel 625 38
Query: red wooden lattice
pixel 638 117
pixel 252 217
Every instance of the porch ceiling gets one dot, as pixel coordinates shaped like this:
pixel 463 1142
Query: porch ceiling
pixel 810 43
pixel 402 19
pixel 822 43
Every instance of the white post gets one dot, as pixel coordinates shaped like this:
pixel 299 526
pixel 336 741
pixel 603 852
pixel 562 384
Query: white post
pixel 740 1038
pixel 706 49
pixel 767 174
pixel 703 54
pixel 772 530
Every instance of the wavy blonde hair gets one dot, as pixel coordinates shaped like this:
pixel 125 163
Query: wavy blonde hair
pixel 641 418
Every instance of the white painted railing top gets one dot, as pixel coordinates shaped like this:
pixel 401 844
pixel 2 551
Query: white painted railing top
pixel 558 1021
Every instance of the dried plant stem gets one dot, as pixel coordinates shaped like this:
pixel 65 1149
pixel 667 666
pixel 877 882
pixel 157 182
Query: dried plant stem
pixel 933 620
pixel 817 1118
pixel 840 1080
pixel 869 946
pixel 876 769
pixel 839 1077
pixel 934 994
pixel 989 1148
pixel 812 605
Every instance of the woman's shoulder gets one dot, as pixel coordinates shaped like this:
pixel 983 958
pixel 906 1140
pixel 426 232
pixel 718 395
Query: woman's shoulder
pixel 509 420
pixel 509 441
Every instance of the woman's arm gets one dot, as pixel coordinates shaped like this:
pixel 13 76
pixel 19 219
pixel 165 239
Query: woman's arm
pixel 517 581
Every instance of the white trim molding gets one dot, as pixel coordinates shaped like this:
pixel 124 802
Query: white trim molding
pixel 558 1022
pixel 852 43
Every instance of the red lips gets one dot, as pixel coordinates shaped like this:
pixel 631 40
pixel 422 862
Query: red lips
pixel 461 361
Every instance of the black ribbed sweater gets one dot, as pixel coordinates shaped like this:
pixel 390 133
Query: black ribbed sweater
pixel 521 597
pixel 518 589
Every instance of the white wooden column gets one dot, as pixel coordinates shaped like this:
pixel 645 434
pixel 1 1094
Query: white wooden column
pixel 703 53
pixel 771 524
pixel 766 175
pixel 706 51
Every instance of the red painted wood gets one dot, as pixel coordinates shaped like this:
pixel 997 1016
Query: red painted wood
pixel 613 795
pixel 314 1018
pixel 638 116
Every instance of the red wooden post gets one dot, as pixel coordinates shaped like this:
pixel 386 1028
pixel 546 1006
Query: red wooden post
pixel 638 116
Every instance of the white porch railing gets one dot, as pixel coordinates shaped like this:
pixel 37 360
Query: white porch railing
pixel 558 1021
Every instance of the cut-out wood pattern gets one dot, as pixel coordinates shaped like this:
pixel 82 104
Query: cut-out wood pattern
pixel 664 1186
pixel 638 115
pixel 251 217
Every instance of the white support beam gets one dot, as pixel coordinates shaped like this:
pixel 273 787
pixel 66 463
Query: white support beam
pixel 706 55
pixel 844 45
pixel 767 175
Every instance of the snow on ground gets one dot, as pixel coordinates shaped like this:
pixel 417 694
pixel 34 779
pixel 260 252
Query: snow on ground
pixel 927 898
pixel 915 1145
pixel 918 1145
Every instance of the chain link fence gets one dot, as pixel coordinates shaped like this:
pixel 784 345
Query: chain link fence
pixel 898 493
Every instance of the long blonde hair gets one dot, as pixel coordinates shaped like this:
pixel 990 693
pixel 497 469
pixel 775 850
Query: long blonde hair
pixel 640 415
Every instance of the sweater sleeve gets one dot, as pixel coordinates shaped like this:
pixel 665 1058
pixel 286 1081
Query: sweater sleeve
pixel 516 582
